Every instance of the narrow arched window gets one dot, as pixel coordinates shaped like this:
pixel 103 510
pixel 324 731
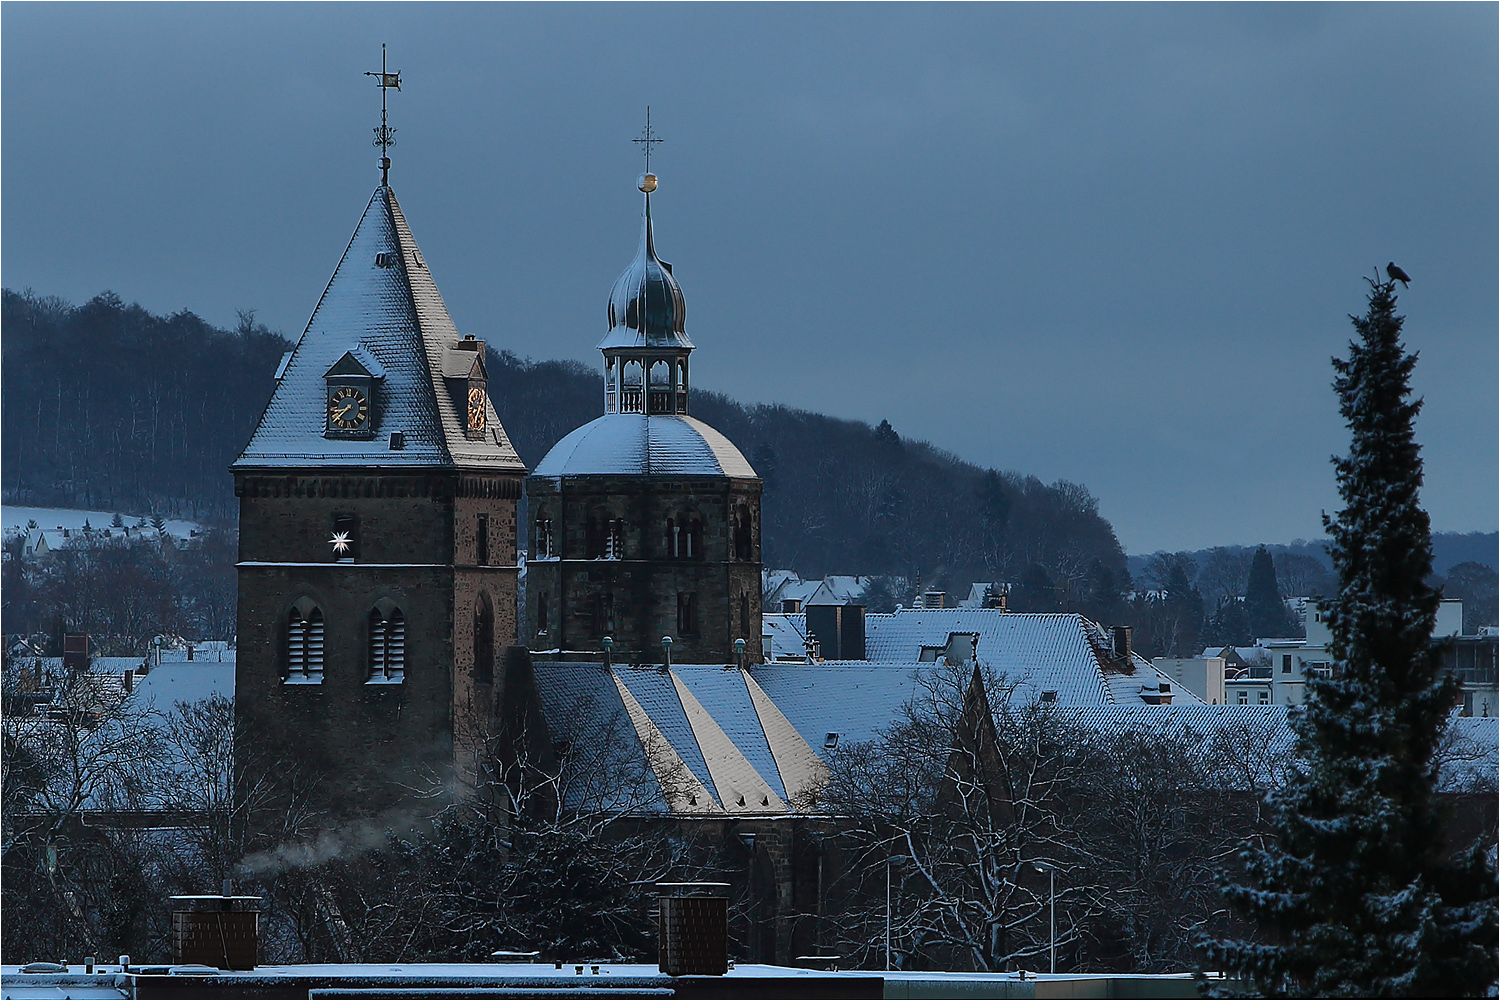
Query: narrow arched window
pixel 742 534
pixel 304 644
pixel 630 390
pixel 687 613
pixel 544 548
pixel 604 614
pixel 387 628
pixel 484 640
pixel 614 543
pixel 541 615
pixel 744 614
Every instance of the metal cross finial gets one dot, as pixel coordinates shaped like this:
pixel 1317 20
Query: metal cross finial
pixel 385 135
pixel 648 138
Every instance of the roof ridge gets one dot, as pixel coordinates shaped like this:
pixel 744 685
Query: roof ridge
pixel 403 238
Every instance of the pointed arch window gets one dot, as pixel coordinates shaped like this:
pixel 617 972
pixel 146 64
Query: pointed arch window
pixel 743 548
pixel 484 640
pixel 304 644
pixel 387 634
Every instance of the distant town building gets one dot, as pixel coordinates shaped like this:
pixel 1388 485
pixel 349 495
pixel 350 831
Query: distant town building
pixel 1203 676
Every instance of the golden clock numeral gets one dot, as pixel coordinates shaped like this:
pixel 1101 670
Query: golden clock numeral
pixel 476 409
pixel 348 408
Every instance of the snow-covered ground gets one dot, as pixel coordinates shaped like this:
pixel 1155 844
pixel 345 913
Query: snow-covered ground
pixel 53 520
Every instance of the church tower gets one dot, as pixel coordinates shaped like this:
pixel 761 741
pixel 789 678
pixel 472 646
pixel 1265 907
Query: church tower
pixel 645 523
pixel 377 574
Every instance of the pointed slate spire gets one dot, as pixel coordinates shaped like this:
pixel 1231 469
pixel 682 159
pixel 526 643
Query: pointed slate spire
pixel 382 304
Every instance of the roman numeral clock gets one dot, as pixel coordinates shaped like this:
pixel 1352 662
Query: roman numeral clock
pixel 350 395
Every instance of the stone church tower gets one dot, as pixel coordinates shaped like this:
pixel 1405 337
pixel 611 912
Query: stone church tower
pixel 377 575
pixel 645 523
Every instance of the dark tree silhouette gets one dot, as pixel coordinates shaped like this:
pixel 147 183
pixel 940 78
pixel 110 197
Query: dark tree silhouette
pixel 1357 895
pixel 1263 605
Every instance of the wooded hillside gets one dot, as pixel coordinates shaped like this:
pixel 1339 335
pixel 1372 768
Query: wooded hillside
pixel 109 406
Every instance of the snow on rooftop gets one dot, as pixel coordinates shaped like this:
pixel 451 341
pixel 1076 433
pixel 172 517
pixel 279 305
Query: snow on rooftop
pixel 788 633
pixel 642 445
pixel 181 681
pixel 393 320
pixel 697 728
pixel 52 521
pixel 1035 652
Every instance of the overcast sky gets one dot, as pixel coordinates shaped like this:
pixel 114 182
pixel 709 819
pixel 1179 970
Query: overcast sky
pixel 1115 245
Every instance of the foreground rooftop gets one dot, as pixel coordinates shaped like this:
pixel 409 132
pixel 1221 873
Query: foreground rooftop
pixel 538 980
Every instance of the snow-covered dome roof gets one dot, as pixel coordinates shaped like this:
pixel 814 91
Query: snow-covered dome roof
pixel 641 445
pixel 646 308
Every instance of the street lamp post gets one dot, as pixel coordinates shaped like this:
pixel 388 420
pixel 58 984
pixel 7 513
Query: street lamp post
pixel 1051 871
pixel 889 861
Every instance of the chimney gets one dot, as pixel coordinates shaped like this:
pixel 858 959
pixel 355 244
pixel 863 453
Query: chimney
pixel 692 930
pixel 216 930
pixel 1120 644
pixel 129 682
pixel 190 652
pixel 76 651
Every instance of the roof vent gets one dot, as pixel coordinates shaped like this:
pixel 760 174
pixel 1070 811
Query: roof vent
pixel 831 741
pixel 385 260
pixel 1049 697
pixel 398 440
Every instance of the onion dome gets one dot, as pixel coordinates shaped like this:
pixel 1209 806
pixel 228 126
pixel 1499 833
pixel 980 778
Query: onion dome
pixel 646 308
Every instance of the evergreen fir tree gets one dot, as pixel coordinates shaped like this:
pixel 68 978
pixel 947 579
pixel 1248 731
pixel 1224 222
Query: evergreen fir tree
pixel 1263 605
pixel 1357 895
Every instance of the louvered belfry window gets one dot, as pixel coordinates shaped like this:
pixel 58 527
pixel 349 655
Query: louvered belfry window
pixel 387 645
pixel 304 645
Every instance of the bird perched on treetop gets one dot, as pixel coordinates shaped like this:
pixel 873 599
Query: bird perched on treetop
pixel 1395 274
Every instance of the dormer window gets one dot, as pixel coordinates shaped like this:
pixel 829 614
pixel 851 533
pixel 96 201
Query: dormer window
pixel 350 397
pixel 463 369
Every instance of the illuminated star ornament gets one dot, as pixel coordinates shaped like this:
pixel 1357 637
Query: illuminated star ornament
pixel 340 543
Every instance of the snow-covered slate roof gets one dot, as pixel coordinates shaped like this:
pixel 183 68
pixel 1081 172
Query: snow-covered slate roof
pixel 788 633
pixel 394 317
pixel 641 445
pixel 838 589
pixel 852 699
pixel 179 681
pixel 709 735
pixel 1468 757
pixel 1035 652
pixel 609 767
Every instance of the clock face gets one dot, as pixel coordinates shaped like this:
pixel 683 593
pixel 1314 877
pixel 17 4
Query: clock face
pixel 476 408
pixel 348 409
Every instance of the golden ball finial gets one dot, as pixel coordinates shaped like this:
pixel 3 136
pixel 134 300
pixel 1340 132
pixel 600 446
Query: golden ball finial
pixel 647 183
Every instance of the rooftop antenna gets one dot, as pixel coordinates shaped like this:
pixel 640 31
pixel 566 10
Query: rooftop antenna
pixel 647 140
pixel 385 135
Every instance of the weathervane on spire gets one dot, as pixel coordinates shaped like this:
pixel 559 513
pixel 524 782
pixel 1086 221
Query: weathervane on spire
pixel 385 135
pixel 647 139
